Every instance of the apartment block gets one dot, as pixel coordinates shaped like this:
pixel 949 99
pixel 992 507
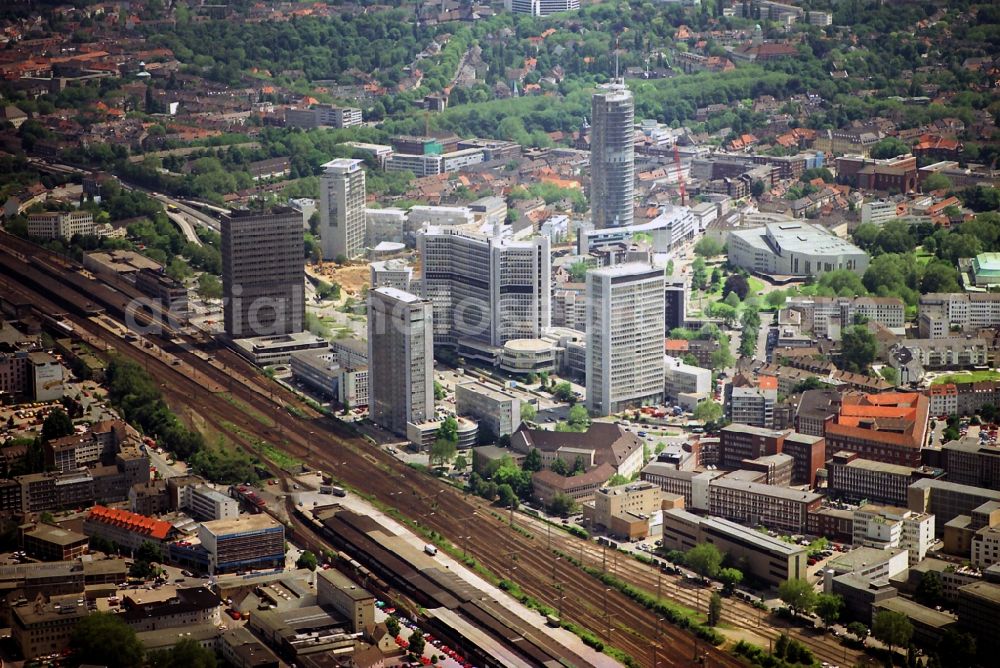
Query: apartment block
pixel 494 410
pixel 942 313
pixel 754 504
pixel 962 398
pixel 342 208
pixel 625 333
pixel 401 354
pixel 888 526
pixel 263 272
pixel 826 316
pixel 126 529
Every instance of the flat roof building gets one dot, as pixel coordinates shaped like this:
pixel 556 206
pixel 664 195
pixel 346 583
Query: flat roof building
pixel 612 156
pixel 793 249
pixel 263 272
pixel 625 334
pixel 250 542
pixel 495 410
pixel 342 209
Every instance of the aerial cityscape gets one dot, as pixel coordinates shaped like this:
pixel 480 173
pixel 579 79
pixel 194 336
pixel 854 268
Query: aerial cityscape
pixel 534 333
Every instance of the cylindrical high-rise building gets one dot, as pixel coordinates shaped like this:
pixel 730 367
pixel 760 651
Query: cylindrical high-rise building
pixel 612 156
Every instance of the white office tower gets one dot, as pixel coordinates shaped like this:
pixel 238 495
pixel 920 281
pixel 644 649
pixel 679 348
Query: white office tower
pixel 541 7
pixel 342 208
pixel 400 359
pixel 612 156
pixel 486 289
pixel 625 333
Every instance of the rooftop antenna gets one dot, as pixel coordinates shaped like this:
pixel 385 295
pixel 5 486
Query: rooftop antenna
pixel 616 58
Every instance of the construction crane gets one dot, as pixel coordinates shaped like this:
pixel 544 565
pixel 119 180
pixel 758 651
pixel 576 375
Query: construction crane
pixel 680 175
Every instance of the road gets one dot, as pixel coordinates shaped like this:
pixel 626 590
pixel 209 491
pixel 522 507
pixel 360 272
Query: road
pixel 185 226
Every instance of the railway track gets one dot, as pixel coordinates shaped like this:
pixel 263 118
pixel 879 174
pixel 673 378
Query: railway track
pixel 328 444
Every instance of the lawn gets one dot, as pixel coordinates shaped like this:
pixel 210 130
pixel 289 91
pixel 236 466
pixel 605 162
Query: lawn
pixel 967 377
pixel 923 257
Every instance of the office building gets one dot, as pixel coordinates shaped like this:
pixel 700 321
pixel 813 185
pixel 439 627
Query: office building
pixel 251 542
pixel 890 427
pixel 401 354
pixel 42 627
pixel 126 529
pixel 204 503
pixel 947 500
pixel 753 503
pixel 624 510
pixel 48 542
pixel 681 378
pixel 878 212
pixel 335 589
pixel 612 156
pixel 978 607
pixel 486 289
pixel 602 443
pixel 194 606
pixel 496 411
pixel 751 404
pixel 888 526
pixel 969 462
pixel 674 302
pixel 323 115
pixel 769 559
pixel 342 209
pixel 67 224
pixel 263 273
pixel 625 333
pixel 541 7
pixel 852 479
pixel 391 274
pixel 793 249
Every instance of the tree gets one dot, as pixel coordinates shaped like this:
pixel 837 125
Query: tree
pixel 442 450
pixel 892 628
pixel 56 425
pixel 439 391
pixel 698 274
pixel 936 181
pixel 532 461
pixel 797 595
pixel 578 271
pixel 563 391
pixel 707 411
pixel 417 642
pixel 930 589
pixel 209 286
pixel 707 247
pixel 890 374
pixel 561 505
pixel 704 559
pixel 736 283
pixel 757 187
pixel 392 626
pixel 579 465
pixel 578 418
pixel 730 578
pixel 104 639
pixel 828 607
pixel 858 630
pixel 460 463
pixel 714 609
pixel 307 560
pixel 889 147
pixel 559 467
pixel 528 412
pixel 187 653
pixel 508 498
pixel 858 348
